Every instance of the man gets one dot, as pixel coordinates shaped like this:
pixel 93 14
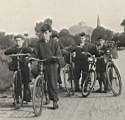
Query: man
pixel 47 48
pixel 101 65
pixel 18 48
pixel 80 59
pixel 55 36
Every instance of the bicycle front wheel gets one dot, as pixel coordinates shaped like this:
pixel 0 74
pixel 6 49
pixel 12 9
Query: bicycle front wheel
pixel 37 97
pixel 17 89
pixel 88 84
pixel 114 79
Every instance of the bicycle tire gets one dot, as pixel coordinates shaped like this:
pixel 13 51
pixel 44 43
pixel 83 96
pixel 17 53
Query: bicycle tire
pixel 111 79
pixel 17 88
pixel 37 97
pixel 85 89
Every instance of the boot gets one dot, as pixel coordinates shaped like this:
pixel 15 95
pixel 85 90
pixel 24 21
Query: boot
pixel 55 105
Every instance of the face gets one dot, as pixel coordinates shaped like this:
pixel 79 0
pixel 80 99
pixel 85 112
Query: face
pixel 40 35
pixel 102 42
pixel 56 39
pixel 83 38
pixel 47 35
pixel 19 42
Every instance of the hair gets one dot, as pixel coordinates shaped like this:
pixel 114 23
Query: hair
pixel 82 34
pixel 46 27
pixel 55 34
pixel 18 36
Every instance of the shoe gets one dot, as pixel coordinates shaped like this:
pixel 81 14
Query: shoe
pixel 17 105
pixel 105 91
pixel 47 101
pixel 99 91
pixel 77 90
pixel 27 100
pixel 55 105
pixel 60 86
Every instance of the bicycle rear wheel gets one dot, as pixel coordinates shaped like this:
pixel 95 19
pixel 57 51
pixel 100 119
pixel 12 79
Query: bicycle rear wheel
pixel 114 79
pixel 68 80
pixel 88 84
pixel 37 97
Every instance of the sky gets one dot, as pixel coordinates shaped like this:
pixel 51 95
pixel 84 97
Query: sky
pixel 19 16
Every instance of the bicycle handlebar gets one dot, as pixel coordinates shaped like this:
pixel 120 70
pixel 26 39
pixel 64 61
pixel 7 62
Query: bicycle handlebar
pixel 20 54
pixel 43 60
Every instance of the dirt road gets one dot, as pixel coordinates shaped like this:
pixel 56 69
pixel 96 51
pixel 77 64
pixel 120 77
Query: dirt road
pixel 95 107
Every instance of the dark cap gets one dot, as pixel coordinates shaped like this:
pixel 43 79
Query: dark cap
pixel 82 34
pixel 45 27
pixel 19 36
pixel 100 37
pixel 55 34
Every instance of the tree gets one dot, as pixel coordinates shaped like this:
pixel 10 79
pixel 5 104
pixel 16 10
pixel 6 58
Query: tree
pixel 123 22
pixel 66 38
pixel 6 40
pixel 101 32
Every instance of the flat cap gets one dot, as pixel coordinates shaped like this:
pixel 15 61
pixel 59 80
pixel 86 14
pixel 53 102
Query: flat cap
pixel 82 34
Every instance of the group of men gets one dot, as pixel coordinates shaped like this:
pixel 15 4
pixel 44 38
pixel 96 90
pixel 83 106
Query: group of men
pixel 48 47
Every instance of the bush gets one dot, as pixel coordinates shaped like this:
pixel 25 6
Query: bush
pixel 5 74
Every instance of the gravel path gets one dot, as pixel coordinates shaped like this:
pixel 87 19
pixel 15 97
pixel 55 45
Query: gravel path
pixel 95 107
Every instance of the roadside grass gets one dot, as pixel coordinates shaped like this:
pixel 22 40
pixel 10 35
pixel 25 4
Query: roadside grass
pixel 5 74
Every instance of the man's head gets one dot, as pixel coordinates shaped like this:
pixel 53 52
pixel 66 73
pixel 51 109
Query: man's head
pixel 45 32
pixel 82 38
pixel 55 35
pixel 19 40
pixel 102 41
pixel 48 21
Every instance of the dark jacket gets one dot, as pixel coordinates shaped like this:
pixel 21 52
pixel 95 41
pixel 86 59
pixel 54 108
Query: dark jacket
pixel 45 50
pixel 15 50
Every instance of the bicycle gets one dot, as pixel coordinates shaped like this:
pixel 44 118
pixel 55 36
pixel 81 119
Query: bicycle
pixel 89 82
pixel 37 91
pixel 69 77
pixel 18 87
pixel 39 87
pixel 113 76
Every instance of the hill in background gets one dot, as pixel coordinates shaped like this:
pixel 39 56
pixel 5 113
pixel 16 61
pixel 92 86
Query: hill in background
pixel 81 27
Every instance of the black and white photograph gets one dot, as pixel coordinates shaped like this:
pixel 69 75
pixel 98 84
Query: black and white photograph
pixel 62 59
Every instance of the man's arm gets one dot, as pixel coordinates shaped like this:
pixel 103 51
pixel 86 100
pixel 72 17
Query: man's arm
pixel 9 51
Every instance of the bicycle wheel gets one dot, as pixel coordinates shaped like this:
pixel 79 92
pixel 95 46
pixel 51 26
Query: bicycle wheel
pixel 17 89
pixel 37 97
pixel 89 83
pixel 114 79
pixel 68 80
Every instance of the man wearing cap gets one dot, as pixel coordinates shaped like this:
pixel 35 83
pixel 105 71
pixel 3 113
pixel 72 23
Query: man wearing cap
pixel 47 48
pixel 18 48
pixel 80 59
pixel 81 62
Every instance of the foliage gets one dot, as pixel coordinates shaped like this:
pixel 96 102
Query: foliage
pixel 81 27
pixel 5 74
pixel 66 38
pixel 123 23
pixel 101 32
pixel 6 40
